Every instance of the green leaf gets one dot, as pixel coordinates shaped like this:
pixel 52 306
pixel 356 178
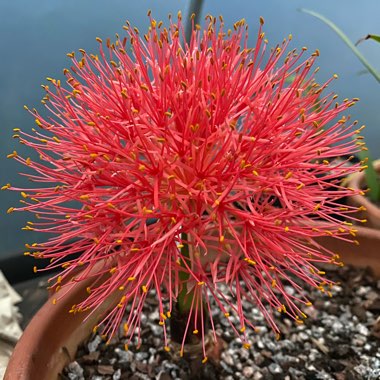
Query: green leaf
pixel 347 41
pixel 371 177
pixel 369 37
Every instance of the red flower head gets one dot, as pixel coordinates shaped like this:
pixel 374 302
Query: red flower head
pixel 194 164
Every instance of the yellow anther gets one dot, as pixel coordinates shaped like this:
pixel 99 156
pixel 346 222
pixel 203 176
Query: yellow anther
pixel 226 315
pixel 242 329
pixel 122 302
pixel 286 229
pixel 247 346
pixel 200 283
pixel 250 262
pixel 144 289
pixel 204 360
pixel 288 175
pixel 195 332
pixel 12 155
pixel 167 348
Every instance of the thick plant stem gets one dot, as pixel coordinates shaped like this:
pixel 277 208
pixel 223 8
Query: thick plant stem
pixel 184 299
pixel 179 323
pixel 195 7
pixel 187 302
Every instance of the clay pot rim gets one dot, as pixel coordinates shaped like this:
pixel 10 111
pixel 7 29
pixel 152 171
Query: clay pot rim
pixel 50 340
pixel 356 181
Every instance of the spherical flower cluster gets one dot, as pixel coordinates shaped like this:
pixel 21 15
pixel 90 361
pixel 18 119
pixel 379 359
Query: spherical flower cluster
pixel 168 165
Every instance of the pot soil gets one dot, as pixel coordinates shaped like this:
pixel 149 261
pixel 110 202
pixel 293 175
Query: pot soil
pixel 339 340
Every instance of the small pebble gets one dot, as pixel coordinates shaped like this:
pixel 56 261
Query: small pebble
pixel 275 369
pixel 76 371
pixel 248 372
pixel 94 344
pixel 362 330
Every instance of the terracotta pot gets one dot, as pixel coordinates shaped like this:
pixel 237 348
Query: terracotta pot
pixel 367 254
pixel 51 339
pixel 372 213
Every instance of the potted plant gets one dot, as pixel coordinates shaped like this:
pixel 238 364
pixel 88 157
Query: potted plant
pixel 194 165
pixel 367 182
